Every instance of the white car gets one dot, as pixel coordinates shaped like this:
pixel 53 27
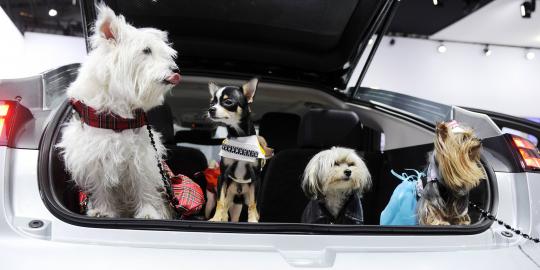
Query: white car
pixel 304 55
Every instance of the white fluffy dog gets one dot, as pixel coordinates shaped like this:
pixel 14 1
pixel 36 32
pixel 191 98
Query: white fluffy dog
pixel 334 180
pixel 127 73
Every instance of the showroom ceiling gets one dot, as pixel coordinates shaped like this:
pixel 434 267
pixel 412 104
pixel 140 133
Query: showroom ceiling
pixel 423 18
pixel 498 23
pixel 36 16
pixel 416 18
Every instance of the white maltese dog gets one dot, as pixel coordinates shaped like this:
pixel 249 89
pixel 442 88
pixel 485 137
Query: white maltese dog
pixel 106 145
pixel 334 180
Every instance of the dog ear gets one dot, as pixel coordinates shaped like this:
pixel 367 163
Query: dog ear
pixel 213 88
pixel 249 89
pixel 310 182
pixel 442 130
pixel 107 23
pixel 474 150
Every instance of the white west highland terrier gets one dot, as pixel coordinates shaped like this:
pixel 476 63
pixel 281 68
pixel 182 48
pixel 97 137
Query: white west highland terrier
pixel 106 146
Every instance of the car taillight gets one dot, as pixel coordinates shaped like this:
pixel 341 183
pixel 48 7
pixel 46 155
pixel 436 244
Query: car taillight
pixel 4 108
pixel 13 116
pixel 529 154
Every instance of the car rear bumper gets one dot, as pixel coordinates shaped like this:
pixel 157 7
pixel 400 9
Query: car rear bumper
pixel 26 253
pixel 58 244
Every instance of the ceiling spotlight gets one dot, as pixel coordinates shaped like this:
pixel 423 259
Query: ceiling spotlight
pixel 53 12
pixel 438 3
pixel 530 55
pixel 442 48
pixel 487 50
pixel 527 8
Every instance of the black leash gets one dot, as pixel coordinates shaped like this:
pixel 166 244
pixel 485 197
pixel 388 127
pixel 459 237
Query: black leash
pixel 166 181
pixel 489 216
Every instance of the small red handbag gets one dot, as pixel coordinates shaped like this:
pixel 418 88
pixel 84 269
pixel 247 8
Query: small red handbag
pixel 188 193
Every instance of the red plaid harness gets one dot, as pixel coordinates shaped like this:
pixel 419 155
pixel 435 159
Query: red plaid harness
pixel 108 120
pixel 188 194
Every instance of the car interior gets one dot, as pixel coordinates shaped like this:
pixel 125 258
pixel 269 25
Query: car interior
pixel 297 127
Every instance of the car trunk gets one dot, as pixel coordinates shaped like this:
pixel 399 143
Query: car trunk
pixel 61 196
pixel 311 43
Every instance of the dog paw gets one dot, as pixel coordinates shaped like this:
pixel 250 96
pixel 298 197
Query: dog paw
pixel 219 218
pixel 99 213
pixel 215 219
pixel 253 218
pixel 148 212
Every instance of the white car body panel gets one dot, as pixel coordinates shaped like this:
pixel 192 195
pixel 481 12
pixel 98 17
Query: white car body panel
pixel 59 245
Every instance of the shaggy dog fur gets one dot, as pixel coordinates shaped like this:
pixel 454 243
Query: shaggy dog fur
pixel 333 175
pixel 127 69
pixel 455 164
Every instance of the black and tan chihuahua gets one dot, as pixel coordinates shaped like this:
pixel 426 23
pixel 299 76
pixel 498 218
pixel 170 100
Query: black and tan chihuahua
pixel 243 152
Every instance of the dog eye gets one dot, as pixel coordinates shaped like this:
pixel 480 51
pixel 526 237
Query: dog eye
pixel 147 50
pixel 350 164
pixel 336 164
pixel 227 102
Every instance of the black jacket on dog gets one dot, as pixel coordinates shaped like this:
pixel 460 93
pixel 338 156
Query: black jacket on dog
pixel 351 212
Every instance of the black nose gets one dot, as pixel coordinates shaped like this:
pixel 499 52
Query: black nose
pixel 347 172
pixel 175 70
pixel 212 110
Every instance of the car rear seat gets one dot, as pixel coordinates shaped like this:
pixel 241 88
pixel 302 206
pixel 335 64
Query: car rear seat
pixel 181 159
pixel 280 130
pixel 282 199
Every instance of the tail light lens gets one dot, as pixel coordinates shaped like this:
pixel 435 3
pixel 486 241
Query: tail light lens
pixel 13 116
pixel 528 153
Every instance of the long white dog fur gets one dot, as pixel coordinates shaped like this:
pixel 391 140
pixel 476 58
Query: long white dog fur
pixel 324 178
pixel 119 169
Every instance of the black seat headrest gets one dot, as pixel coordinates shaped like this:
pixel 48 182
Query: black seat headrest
pixel 323 128
pixel 161 119
pixel 280 130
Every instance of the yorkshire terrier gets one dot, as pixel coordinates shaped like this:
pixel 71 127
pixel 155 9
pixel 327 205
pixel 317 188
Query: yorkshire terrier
pixel 243 153
pixel 454 169
pixel 334 180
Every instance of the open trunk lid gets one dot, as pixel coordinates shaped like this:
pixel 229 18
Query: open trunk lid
pixel 315 42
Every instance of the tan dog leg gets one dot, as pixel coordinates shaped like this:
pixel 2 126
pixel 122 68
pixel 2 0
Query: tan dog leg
pixel 253 214
pixel 222 207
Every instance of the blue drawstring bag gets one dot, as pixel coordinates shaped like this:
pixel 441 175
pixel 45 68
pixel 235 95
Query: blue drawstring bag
pixel 401 209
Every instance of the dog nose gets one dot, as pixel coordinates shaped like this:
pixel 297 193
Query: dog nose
pixel 175 70
pixel 212 110
pixel 347 172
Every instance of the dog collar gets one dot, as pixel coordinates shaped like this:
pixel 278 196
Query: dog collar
pixel 245 148
pixel 107 120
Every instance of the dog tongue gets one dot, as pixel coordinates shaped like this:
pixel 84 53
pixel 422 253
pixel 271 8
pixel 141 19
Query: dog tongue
pixel 173 79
